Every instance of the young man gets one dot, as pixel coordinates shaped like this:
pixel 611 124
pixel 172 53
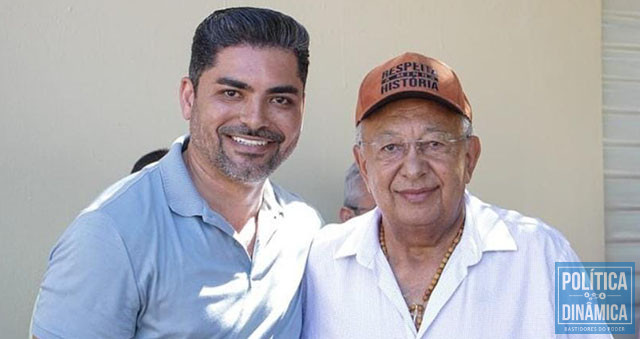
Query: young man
pixel 201 244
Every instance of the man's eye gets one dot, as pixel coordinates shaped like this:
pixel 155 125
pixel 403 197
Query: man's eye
pixel 434 144
pixel 281 100
pixel 231 93
pixel 391 148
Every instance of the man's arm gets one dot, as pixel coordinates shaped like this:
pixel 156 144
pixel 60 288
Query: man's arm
pixel 89 288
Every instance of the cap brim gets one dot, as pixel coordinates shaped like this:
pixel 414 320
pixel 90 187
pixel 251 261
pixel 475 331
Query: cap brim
pixel 411 94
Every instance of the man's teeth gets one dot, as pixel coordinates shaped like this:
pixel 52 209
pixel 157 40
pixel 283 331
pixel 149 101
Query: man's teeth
pixel 248 142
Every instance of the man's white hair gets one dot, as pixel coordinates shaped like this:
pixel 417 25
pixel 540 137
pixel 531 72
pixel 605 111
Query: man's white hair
pixel 353 186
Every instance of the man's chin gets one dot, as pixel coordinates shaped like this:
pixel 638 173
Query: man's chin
pixel 251 175
pixel 248 169
pixel 417 216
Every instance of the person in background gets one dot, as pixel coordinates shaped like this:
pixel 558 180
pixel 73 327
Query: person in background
pixel 200 244
pixel 357 199
pixel 149 158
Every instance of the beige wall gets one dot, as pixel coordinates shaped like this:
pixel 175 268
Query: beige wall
pixel 86 87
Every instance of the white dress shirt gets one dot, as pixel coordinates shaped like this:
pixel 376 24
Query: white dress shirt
pixel 498 283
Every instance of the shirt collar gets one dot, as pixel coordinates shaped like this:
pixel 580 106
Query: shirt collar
pixel 270 201
pixel 363 241
pixel 484 231
pixel 183 197
pixel 487 227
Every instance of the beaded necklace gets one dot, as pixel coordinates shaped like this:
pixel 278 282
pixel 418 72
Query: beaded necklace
pixel 417 310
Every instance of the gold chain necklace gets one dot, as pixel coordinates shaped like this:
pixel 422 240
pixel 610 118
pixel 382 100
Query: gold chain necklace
pixel 417 310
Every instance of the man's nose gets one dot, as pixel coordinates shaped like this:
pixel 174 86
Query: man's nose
pixel 413 164
pixel 253 114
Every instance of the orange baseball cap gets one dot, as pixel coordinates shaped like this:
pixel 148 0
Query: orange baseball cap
pixel 411 75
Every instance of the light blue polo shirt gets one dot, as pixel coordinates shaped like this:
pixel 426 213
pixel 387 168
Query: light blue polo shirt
pixel 150 259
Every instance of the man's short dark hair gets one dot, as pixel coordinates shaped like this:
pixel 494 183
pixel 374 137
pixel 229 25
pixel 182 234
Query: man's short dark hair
pixel 258 27
pixel 149 158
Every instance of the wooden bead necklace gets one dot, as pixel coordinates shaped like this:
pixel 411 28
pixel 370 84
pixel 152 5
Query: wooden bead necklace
pixel 417 310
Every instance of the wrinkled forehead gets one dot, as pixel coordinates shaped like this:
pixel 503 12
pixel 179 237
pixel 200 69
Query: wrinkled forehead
pixel 412 117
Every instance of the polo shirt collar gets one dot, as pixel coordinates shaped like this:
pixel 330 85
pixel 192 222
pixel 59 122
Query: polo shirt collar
pixel 270 201
pixel 182 196
pixel 185 200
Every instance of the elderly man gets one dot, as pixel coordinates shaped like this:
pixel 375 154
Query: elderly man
pixel 432 260
pixel 200 244
pixel 357 199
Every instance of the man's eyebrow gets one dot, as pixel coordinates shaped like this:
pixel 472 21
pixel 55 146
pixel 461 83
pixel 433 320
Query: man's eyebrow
pixel 439 131
pixel 283 89
pixel 428 130
pixel 431 130
pixel 387 134
pixel 233 83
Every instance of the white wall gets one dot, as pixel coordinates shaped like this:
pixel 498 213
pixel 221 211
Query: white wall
pixel 86 87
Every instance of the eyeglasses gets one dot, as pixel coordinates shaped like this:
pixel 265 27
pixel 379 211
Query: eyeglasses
pixel 433 146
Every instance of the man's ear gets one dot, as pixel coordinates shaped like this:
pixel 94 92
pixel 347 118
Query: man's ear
pixel 187 97
pixel 471 158
pixel 362 165
pixel 345 214
pixel 302 110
